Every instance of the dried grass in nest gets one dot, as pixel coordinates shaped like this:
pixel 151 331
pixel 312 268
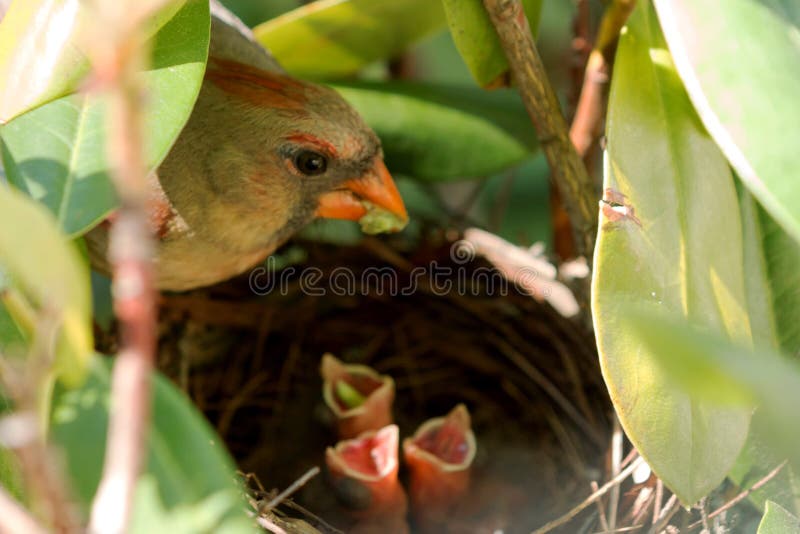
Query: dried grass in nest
pixel 529 376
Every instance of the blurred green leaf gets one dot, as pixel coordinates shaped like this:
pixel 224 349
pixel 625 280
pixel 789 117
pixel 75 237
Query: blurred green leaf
pixel 252 13
pixel 684 258
pixel 516 204
pixel 57 152
pixel 431 131
pixel 186 460
pixel 46 276
pixel 476 38
pixel 782 257
pixel 777 520
pixel 758 458
pixel 739 61
pixel 335 38
pixel 11 334
pixel 715 370
pixel 773 288
pixel 102 303
pixel 11 477
pixel 206 515
pixel 41 50
pixel 11 474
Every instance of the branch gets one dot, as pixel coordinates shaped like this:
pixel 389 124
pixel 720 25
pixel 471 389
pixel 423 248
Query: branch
pixel 617 480
pixel 589 113
pixel 117 63
pixel 569 172
pixel 741 496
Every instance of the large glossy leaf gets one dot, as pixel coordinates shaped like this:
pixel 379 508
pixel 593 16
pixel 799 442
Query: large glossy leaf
pixel 777 520
pixel 773 291
pixel 57 152
pixel 335 38
pixel 41 50
pixel 476 38
pixel 46 275
pixel 740 62
pixel 782 258
pixel 186 461
pixel 11 477
pixel 759 457
pixel 430 132
pixel 712 368
pixel 686 257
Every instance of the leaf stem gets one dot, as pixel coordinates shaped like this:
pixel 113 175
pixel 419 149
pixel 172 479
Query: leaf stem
pixel 117 66
pixel 569 173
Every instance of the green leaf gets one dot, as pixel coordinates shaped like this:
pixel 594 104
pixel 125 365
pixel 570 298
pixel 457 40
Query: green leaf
pixel 41 50
pixel 717 371
pixel 685 258
pixel 430 131
pixel 773 289
pixel 11 335
pixel 782 257
pixel 102 301
pixel 185 458
pixel 206 515
pixel 11 478
pixel 759 457
pixel 739 61
pixel 57 152
pixel 46 277
pixel 777 520
pixel 476 38
pixel 336 38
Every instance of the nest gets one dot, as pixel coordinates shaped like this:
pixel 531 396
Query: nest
pixel 529 376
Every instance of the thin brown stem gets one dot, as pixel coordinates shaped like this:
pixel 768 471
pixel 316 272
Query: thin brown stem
pixel 589 114
pixel 601 511
pixel 670 509
pixel 285 494
pixel 130 253
pixel 527 70
pixel 616 459
pixel 741 496
pixel 617 480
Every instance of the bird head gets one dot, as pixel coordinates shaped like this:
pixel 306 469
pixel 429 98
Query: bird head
pixel 263 154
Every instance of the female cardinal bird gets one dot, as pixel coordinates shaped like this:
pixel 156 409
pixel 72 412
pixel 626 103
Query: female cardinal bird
pixel 261 155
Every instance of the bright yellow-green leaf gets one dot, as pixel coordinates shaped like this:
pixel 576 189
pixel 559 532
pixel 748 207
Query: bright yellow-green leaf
pixel 57 153
pixel 430 131
pixel 740 62
pixel 41 50
pixel 773 295
pixel 476 38
pixel 39 58
pixel 777 520
pixel 674 244
pixel 186 463
pixel 335 38
pixel 719 372
pixel 47 273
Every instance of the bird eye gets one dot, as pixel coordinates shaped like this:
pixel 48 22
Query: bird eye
pixel 310 163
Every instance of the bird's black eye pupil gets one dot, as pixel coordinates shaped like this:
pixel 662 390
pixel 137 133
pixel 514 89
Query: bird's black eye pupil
pixel 310 163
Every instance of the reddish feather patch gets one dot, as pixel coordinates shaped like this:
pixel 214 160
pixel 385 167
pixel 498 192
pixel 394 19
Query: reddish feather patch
pixel 310 140
pixel 259 87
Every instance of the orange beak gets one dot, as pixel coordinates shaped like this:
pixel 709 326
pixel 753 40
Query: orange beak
pixel 375 186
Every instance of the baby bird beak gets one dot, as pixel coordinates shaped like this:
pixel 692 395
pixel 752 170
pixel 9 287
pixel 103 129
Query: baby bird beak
pixel 375 186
